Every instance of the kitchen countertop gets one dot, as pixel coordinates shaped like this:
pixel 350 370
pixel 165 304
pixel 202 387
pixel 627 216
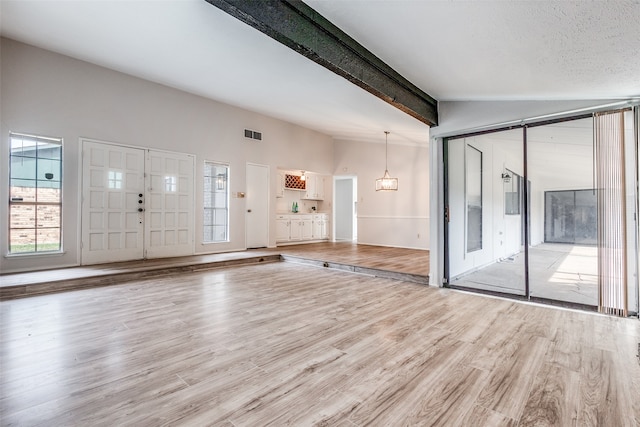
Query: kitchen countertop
pixel 301 213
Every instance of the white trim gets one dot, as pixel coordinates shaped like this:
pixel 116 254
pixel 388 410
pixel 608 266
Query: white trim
pixel 390 217
pixel 139 147
pixel 34 254
pixel 32 270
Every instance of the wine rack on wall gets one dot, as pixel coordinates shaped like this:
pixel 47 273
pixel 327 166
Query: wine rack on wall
pixel 293 182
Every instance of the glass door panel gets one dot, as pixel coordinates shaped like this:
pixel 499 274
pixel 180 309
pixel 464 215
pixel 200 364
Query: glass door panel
pixel 485 231
pixel 563 256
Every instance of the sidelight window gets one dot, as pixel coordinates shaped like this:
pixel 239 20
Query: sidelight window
pixel 216 202
pixel 35 194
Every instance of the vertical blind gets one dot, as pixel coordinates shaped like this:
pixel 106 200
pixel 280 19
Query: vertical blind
pixel 611 202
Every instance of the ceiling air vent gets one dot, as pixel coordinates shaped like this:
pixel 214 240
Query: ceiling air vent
pixel 253 134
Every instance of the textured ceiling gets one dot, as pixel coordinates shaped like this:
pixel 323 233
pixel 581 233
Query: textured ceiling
pixel 501 50
pixel 488 50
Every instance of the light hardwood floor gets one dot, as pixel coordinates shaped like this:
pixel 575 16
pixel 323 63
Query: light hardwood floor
pixel 406 264
pixel 285 344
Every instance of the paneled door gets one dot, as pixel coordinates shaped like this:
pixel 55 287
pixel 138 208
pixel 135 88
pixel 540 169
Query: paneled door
pixel 113 203
pixel 137 203
pixel 169 211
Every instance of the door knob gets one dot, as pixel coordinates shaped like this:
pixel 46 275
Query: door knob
pixel 140 195
pixel 140 209
pixel 140 201
pixel 248 210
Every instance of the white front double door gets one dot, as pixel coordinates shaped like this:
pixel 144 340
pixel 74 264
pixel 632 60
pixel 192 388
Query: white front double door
pixel 136 203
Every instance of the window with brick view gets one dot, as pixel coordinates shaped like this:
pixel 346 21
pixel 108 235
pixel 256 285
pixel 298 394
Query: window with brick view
pixel 35 194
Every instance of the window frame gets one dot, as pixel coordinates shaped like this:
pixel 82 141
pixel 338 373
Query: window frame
pixel 36 204
pixel 215 190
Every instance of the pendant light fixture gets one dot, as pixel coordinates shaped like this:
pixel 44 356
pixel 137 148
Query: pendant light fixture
pixel 386 183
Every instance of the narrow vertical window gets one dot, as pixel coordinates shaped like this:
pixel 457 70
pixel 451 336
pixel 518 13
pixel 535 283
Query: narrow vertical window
pixel 216 202
pixel 35 194
pixel 474 198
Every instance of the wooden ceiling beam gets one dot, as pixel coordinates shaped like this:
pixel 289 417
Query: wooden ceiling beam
pixel 299 27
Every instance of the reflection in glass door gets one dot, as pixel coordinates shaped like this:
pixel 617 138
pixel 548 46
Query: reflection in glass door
pixel 485 212
pixel 563 253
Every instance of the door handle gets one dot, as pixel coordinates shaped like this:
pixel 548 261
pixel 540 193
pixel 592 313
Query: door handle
pixel 248 210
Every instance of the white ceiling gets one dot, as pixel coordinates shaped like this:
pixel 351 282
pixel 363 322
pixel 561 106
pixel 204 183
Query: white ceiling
pixel 453 50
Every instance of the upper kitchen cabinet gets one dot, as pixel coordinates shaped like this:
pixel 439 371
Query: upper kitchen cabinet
pixel 280 184
pixel 314 187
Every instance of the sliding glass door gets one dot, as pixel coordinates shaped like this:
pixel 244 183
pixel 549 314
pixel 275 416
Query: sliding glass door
pixel 563 253
pixel 485 217
pixel 547 211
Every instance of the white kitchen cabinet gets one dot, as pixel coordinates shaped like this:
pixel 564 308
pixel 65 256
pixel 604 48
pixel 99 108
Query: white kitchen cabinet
pixel 317 226
pixel 301 228
pixel 314 187
pixel 280 184
pixel 306 225
pixel 325 229
pixel 295 231
pixel 283 228
pixel 320 226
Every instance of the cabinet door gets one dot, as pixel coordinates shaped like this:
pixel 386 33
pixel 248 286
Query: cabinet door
pixel 295 229
pixel 325 229
pixel 320 182
pixel 306 229
pixel 310 185
pixel 317 229
pixel 282 230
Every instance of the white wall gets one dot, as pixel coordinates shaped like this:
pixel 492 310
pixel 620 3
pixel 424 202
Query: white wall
pixel 396 218
pixel 45 93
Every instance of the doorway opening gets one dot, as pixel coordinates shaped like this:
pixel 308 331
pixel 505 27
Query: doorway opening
pixel 346 208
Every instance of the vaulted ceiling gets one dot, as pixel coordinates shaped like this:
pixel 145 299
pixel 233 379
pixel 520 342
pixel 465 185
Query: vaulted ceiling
pixel 452 50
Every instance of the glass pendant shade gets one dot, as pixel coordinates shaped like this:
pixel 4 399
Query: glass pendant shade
pixel 386 183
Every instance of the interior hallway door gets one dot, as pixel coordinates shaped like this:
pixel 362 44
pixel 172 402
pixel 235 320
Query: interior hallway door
pixel 136 203
pixel 257 205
